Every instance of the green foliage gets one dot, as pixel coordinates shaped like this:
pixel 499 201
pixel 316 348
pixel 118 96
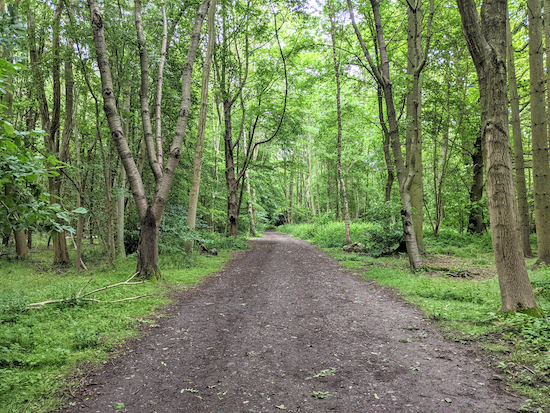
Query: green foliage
pixel 23 202
pixel 463 245
pixel 532 329
pixel 11 308
pixel 381 240
pixel 174 231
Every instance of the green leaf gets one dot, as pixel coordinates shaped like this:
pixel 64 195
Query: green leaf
pixel 8 128
pixel 80 210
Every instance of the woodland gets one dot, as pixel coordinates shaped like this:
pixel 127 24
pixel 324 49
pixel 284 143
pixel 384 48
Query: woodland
pixel 135 134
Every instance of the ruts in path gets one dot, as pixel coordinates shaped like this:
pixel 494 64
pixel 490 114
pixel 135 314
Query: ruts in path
pixel 285 328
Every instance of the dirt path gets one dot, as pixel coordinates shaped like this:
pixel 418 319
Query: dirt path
pixel 281 323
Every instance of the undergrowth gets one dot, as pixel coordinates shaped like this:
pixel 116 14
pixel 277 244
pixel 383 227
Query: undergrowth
pixel 41 349
pixel 466 309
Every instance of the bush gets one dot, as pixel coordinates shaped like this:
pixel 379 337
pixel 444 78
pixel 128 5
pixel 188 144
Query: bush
pixel 381 240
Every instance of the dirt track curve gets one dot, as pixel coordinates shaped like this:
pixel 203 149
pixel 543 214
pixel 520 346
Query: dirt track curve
pixel 284 328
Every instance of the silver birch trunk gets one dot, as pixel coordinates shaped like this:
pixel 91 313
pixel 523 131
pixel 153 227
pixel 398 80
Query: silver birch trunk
pixel 150 215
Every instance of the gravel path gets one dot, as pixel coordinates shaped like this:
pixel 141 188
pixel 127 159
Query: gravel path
pixel 284 328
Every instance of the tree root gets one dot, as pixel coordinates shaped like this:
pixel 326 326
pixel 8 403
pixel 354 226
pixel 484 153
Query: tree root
pixel 83 297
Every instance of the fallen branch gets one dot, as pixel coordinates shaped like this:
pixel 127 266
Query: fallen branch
pixel 80 296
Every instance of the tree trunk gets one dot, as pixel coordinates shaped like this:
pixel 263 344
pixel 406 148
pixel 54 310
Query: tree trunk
pixel 386 145
pixel 249 194
pixel 121 199
pixel 147 251
pixel 546 5
pixel 50 124
pixel 197 166
pixel 487 45
pixel 413 134
pixel 521 188
pixel 230 179
pixel 475 220
pixel 405 175
pixel 541 168
pixel 339 120
pixel 290 196
pixel 21 245
pixel 440 168
pixel 310 180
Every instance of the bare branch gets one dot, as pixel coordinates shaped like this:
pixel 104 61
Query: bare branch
pixel 79 296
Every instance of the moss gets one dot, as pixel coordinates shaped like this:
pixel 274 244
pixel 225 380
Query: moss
pixel 532 312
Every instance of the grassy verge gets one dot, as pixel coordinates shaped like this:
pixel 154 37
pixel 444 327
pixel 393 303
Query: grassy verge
pixel 467 308
pixel 41 348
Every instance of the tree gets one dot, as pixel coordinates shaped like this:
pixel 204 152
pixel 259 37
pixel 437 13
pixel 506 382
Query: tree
pixel 339 120
pixel 416 64
pixel 150 214
pixel 197 166
pixel 541 168
pixel 58 148
pixel 232 65
pixel 486 41
pixel 521 188
pixel 405 173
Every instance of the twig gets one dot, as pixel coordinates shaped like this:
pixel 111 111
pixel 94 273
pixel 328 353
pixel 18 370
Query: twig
pixel 84 286
pixel 116 285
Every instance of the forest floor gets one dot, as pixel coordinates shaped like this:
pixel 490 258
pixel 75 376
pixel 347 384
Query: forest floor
pixel 285 328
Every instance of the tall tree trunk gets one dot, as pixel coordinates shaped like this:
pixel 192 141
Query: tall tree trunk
pixel 230 178
pixel 197 166
pixel 50 124
pixel 121 199
pixel 521 188
pixel 440 168
pixel 405 175
pixel 339 120
pixel 291 196
pixel 386 146
pixel 310 180
pixel 476 224
pixel 541 168
pixel 487 45
pixel 546 19
pixel 249 194
pixel 21 248
pixel 416 63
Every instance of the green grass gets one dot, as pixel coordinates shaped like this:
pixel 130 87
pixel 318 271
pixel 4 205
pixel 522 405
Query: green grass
pixel 41 349
pixel 467 310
